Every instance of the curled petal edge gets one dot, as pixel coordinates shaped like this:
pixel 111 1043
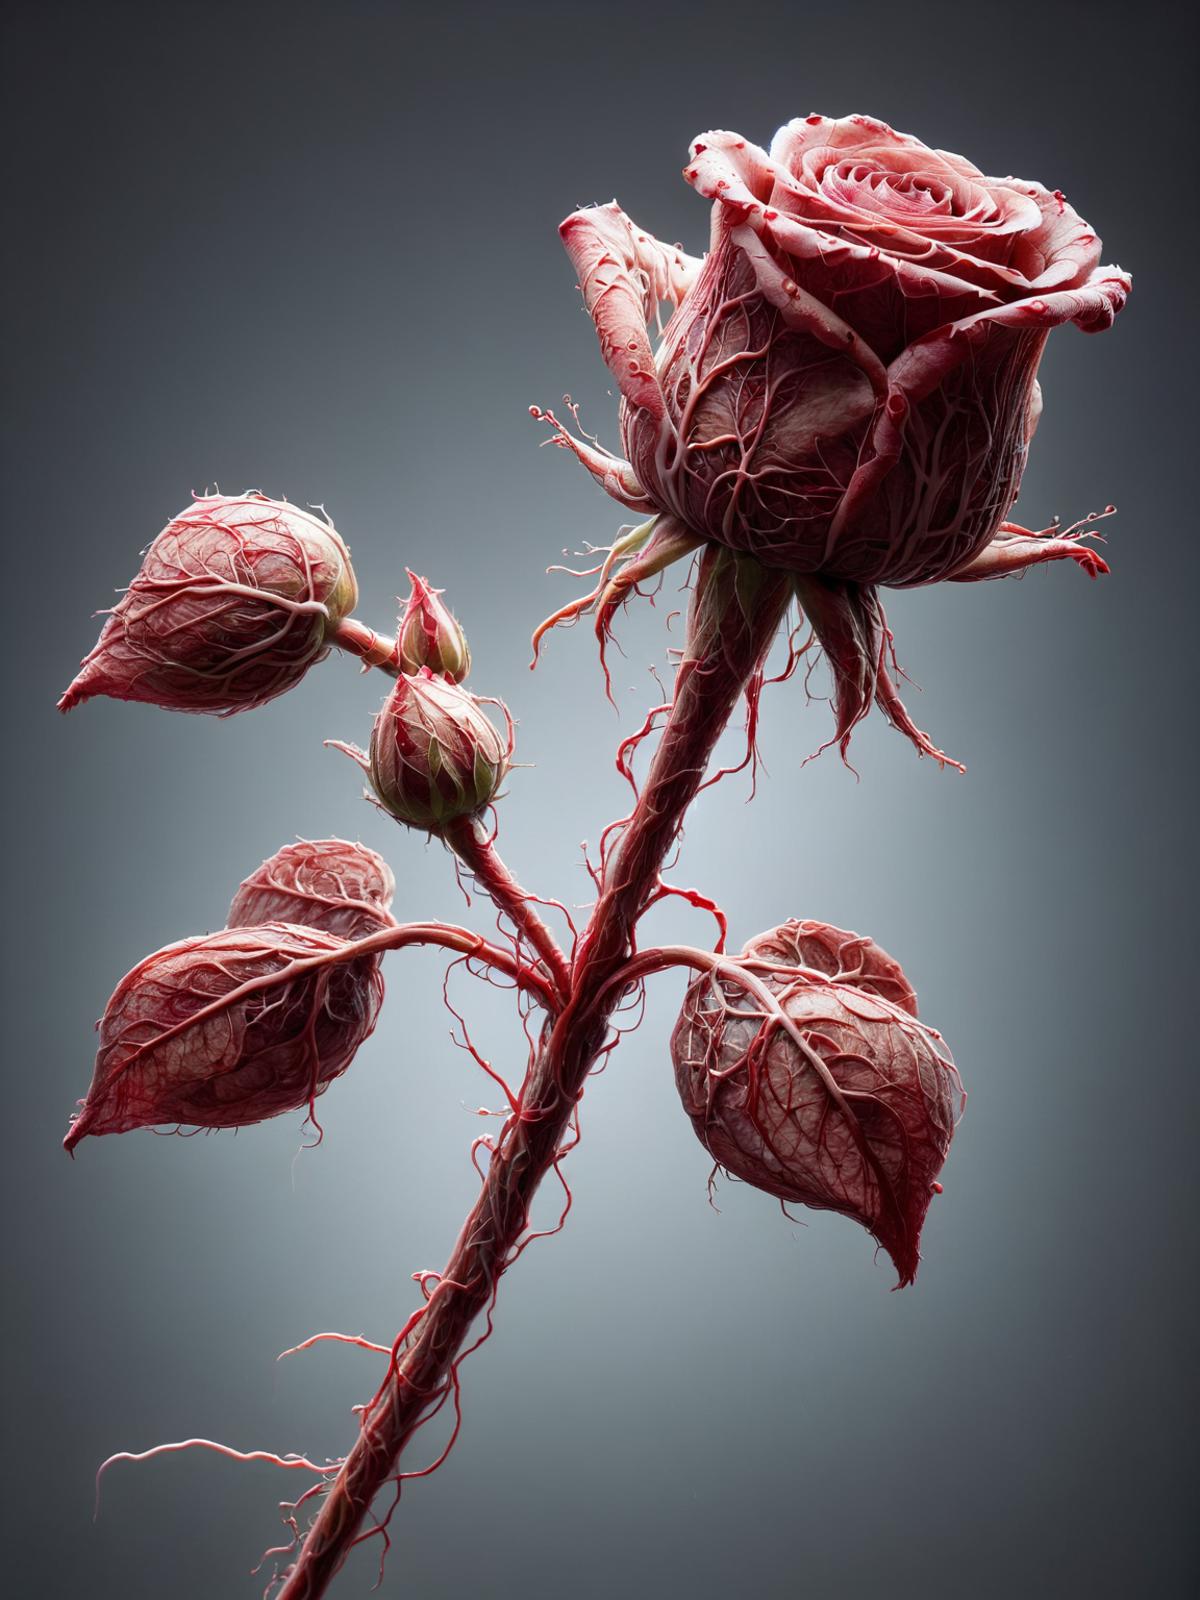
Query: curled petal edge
pixel 927 362
pixel 625 275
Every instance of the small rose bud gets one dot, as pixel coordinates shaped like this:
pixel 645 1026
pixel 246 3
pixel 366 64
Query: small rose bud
pixel 851 1112
pixel 234 601
pixel 430 636
pixel 434 755
pixel 223 1030
pixel 330 884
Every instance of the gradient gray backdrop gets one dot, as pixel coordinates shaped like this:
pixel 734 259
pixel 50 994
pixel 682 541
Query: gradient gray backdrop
pixel 313 250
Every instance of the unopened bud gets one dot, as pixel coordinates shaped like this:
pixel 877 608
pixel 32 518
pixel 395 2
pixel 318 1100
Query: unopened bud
pixel 434 756
pixel 330 884
pixel 831 1094
pixel 223 1030
pixel 234 601
pixel 430 636
pixel 852 958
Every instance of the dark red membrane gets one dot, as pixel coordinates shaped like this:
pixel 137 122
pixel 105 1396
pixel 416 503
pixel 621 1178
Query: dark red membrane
pixel 227 1029
pixel 841 1101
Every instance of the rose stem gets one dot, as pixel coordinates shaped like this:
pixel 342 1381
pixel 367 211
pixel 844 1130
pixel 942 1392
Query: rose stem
pixel 373 649
pixel 476 849
pixel 735 612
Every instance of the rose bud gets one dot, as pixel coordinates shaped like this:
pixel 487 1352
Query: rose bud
pixel 227 1029
pixel 847 387
pixel 429 636
pixel 832 1096
pixel 235 599
pixel 434 756
pixel 330 884
pixel 845 957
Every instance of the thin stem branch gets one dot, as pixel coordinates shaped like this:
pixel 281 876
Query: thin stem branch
pixel 661 958
pixel 447 935
pixel 476 849
pixel 735 613
pixel 372 649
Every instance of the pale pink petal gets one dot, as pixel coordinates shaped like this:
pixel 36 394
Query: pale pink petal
pixel 624 275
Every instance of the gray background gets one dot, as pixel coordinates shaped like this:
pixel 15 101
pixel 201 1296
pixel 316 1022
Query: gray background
pixel 314 250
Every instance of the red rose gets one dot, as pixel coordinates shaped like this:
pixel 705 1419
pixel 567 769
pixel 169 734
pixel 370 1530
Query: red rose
pixel 223 1030
pixel 235 599
pixel 847 388
pixel 832 1096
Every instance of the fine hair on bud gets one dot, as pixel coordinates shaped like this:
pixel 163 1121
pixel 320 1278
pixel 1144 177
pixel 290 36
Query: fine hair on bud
pixel 435 757
pixel 235 599
pixel 331 884
pixel 430 635
pixel 832 1095
pixel 226 1029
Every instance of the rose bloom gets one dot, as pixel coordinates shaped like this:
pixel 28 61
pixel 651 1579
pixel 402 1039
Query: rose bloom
pixel 847 387
pixel 235 599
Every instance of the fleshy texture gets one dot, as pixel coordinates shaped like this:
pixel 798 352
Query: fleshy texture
pixel 430 636
pixel 847 388
pixel 435 756
pixel 851 958
pixel 227 1029
pixel 331 884
pixel 234 601
pixel 848 384
pixel 830 1096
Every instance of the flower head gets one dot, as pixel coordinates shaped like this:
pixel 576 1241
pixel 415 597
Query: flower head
pixel 847 388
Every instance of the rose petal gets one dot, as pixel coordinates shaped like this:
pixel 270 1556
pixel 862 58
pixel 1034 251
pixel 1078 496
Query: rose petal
pixel 624 275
